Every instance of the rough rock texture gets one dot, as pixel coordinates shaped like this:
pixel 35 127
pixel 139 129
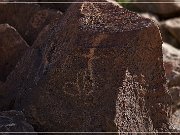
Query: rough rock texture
pixel 176 120
pixel 166 35
pixel 171 58
pixel 99 69
pixel 162 9
pixel 14 121
pixel 28 19
pixel 12 48
pixel 173 26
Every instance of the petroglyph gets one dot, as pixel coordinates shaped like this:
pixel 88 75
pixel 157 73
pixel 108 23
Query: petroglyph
pixel 82 86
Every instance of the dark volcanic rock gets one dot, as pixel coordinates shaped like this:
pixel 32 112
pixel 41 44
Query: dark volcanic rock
pixel 98 69
pixel 28 19
pixel 14 121
pixel 12 48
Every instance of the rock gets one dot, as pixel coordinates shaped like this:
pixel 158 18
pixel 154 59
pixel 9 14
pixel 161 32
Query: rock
pixel 176 120
pixel 162 9
pixel 167 36
pixel 171 58
pixel 12 48
pixel 28 19
pixel 14 121
pixel 100 68
pixel 173 27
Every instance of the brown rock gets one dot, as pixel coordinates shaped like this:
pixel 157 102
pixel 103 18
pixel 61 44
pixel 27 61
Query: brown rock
pixel 162 9
pixel 28 19
pixel 12 48
pixel 171 58
pixel 98 69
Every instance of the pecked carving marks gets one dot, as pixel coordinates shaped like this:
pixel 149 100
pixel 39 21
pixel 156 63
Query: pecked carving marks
pixel 131 98
pixel 85 77
pixel 116 19
pixel 82 86
pixel 84 82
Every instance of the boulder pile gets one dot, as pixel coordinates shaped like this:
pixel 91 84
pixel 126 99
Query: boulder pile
pixel 96 68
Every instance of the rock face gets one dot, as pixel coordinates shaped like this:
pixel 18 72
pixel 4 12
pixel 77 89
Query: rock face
pixel 98 69
pixel 162 9
pixel 28 19
pixel 171 58
pixel 12 48
pixel 14 121
pixel 173 26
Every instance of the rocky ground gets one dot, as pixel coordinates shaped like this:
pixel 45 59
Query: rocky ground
pixel 89 67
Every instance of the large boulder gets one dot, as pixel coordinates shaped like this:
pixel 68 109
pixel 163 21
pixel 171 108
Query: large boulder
pixel 28 19
pixel 98 69
pixel 12 48
pixel 14 121
pixel 159 7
